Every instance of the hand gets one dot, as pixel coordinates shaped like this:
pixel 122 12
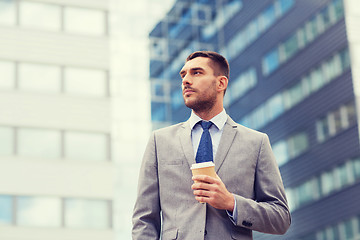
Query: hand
pixel 213 191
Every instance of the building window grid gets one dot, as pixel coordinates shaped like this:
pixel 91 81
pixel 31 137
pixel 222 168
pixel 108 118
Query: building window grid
pixel 240 86
pixel 302 37
pixel 15 211
pixel 18 84
pixel 18 4
pixel 61 146
pixel 325 184
pixel 335 122
pixel 315 80
pixel 344 230
pixel 287 149
pixel 224 14
pixel 243 39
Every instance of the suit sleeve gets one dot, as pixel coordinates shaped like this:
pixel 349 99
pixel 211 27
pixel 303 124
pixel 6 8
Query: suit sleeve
pixel 269 212
pixel 146 215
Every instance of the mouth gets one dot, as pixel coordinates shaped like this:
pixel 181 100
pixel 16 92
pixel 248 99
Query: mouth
pixel 187 91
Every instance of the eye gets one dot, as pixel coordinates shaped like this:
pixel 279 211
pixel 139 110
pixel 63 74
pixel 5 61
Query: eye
pixel 197 72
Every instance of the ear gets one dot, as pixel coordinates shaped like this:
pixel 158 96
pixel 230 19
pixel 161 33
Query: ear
pixel 222 83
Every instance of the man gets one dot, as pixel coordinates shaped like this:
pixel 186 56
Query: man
pixel 246 195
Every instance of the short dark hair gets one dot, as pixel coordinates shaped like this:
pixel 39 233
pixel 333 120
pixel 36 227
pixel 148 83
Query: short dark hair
pixel 218 60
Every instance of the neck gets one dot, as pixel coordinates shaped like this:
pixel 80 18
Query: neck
pixel 208 114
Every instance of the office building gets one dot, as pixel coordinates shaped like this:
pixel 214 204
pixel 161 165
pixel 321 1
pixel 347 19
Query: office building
pixel 56 165
pixel 75 115
pixel 295 76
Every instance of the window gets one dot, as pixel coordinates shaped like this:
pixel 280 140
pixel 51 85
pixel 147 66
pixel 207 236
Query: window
pixel 39 143
pixel 309 83
pixel 268 17
pixel 356 168
pixel 297 144
pixel 348 229
pixel 87 82
pixel 37 77
pixel 289 47
pixel 6 207
pixel 96 145
pixel 351 114
pixel 255 28
pixel 294 95
pixel 222 17
pixel 336 121
pixel 7 12
pixel 281 152
pixel 158 111
pixel 317 80
pixel 271 62
pixel 40 15
pixel 177 99
pixel 302 36
pixel 85 21
pixel 80 213
pixel 241 85
pixel 327 183
pixel 307 192
pixel 286 5
pixel 7 73
pixel 275 106
pixel 38 211
pixel 159 89
pixel 343 176
pixel 7 141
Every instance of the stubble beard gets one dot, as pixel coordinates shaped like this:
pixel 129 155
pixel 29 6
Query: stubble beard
pixel 202 103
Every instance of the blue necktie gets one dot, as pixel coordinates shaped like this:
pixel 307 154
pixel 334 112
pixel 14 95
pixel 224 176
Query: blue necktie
pixel 205 152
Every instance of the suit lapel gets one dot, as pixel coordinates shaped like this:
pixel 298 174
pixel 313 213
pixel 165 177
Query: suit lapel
pixel 226 141
pixel 185 140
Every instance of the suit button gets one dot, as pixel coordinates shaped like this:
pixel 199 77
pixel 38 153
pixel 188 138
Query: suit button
pixel 247 224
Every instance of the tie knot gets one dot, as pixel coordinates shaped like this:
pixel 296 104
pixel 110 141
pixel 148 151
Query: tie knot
pixel 206 125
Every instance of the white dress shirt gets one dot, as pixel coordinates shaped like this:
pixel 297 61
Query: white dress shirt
pixel 216 131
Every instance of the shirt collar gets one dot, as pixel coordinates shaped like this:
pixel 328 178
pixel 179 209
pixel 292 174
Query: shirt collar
pixel 219 120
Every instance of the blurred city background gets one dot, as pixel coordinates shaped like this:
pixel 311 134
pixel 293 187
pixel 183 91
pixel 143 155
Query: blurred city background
pixel 84 82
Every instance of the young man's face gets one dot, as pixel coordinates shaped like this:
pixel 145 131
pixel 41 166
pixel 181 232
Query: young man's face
pixel 199 84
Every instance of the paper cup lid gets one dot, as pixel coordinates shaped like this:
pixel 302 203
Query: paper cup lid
pixel 202 165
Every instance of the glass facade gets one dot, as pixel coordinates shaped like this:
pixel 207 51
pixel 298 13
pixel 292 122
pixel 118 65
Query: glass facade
pixel 7 72
pixel 38 77
pixel 54 79
pixel 320 186
pixel 6 206
pixel 7 12
pixel 256 27
pixel 86 213
pixel 40 15
pixel 47 144
pixel 28 209
pixel 303 36
pixel 54 17
pixel 55 212
pixel 54 144
pixel 307 85
pixel 85 21
pixel 291 77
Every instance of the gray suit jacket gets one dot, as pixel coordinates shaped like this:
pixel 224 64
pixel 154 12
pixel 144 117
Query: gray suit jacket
pixel 245 163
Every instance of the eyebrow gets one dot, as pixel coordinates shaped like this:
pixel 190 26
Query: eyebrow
pixel 191 69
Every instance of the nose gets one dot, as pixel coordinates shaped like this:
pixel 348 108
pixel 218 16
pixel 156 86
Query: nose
pixel 186 80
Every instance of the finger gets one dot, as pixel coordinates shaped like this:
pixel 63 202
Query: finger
pixel 202 199
pixel 204 178
pixel 202 193
pixel 202 185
